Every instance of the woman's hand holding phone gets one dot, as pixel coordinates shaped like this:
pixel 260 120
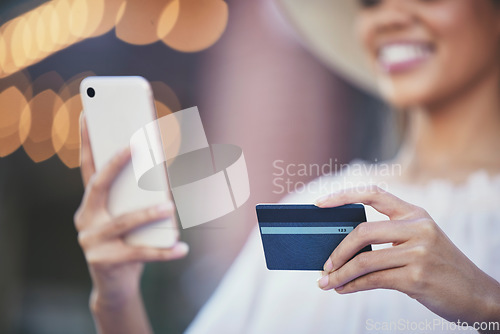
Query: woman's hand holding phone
pixel 423 262
pixel 115 267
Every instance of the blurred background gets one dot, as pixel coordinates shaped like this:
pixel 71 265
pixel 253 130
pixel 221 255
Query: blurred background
pixel 255 85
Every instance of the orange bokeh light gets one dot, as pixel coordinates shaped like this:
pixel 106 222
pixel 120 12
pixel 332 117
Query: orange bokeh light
pixel 15 118
pixel 110 16
pixel 38 144
pixel 66 125
pixel 17 46
pixel 3 55
pixel 168 18
pixel 12 103
pixel 199 25
pixel 8 29
pixel 68 117
pixel 43 36
pixel 169 131
pixel 60 28
pixel 78 17
pixel 29 38
pixel 164 94
pixel 140 20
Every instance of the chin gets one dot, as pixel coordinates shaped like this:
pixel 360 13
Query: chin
pixel 408 93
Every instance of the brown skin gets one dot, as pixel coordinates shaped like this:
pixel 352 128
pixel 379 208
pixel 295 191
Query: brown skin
pixel 455 107
pixel 423 262
pixel 115 267
pixel 464 34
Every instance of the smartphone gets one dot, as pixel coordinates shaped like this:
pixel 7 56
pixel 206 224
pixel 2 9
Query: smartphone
pixel 303 236
pixel 115 108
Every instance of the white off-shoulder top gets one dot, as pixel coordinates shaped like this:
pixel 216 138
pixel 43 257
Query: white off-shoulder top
pixel 252 299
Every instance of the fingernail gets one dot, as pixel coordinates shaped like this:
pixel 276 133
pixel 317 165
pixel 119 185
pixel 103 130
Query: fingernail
pixel 340 288
pixel 164 207
pixel 328 267
pixel 126 151
pixel 182 248
pixel 323 281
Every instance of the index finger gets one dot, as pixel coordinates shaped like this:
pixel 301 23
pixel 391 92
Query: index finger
pixel 87 167
pixel 381 200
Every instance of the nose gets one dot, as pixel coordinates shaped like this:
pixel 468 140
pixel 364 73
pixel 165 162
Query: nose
pixel 393 15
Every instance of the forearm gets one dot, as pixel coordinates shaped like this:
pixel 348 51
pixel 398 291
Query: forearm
pixel 126 316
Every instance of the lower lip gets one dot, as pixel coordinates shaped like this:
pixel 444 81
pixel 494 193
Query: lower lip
pixel 405 66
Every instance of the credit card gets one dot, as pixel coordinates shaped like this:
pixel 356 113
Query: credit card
pixel 303 236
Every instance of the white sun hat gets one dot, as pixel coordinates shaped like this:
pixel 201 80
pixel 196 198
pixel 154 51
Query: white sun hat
pixel 327 29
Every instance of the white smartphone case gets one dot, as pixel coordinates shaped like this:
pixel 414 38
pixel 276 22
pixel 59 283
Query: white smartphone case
pixel 121 106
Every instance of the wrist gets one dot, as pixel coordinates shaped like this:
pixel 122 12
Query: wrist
pixel 493 305
pixel 111 302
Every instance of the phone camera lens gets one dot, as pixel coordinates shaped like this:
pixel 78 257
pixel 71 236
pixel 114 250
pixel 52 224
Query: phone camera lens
pixel 90 92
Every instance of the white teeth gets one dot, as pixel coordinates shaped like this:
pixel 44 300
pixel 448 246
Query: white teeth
pixel 401 53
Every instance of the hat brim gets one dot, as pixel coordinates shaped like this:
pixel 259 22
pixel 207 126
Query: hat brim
pixel 327 29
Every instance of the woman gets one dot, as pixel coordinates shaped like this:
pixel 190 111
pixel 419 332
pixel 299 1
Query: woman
pixel 436 256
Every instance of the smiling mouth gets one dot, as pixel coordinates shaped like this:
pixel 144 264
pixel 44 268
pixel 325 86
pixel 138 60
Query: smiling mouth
pixel 404 56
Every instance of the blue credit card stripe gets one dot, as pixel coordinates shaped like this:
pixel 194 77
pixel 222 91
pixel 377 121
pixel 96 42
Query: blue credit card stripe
pixel 306 229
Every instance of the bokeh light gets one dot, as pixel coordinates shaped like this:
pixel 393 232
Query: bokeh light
pixel 199 25
pixel 12 103
pixel 140 20
pixel 169 131
pixel 78 18
pixel 15 93
pixel 8 32
pixel 188 26
pixel 43 34
pixel 30 48
pixel 66 125
pixel 168 18
pixel 164 94
pixel 108 19
pixel 60 30
pixel 38 144
pixel 48 122
pixel 17 45
pixel 3 50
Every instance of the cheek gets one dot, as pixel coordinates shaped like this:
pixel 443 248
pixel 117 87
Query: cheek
pixel 365 32
pixel 464 32
pixel 466 49
pixel 467 44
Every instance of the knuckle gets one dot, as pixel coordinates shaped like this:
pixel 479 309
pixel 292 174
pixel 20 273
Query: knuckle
pixel 96 184
pixel 374 189
pixel 342 195
pixel 94 260
pixel 421 212
pixel 374 280
pixel 428 227
pixel 83 239
pixel 363 230
pixel 417 277
pixel 333 278
pixel 142 216
pixel 78 218
pixel 149 214
pixel 420 252
pixel 362 261
pixel 119 225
